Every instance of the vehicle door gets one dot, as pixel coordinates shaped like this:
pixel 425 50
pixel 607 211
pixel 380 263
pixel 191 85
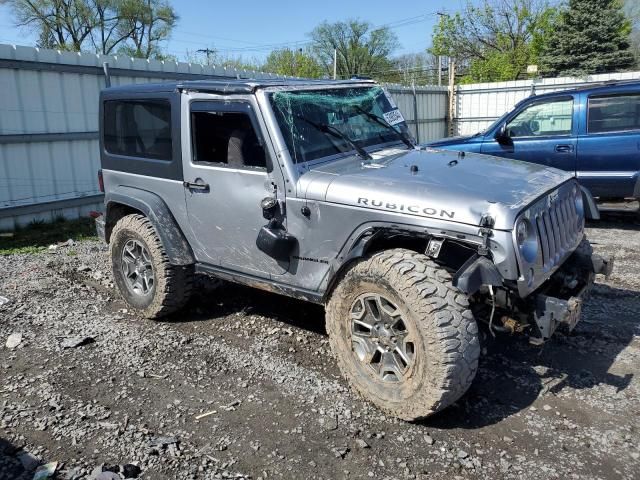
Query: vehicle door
pixel 609 146
pixel 541 132
pixel 226 177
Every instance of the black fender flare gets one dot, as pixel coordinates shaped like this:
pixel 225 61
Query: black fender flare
pixel 156 210
pixel 591 211
pixel 357 247
pixel 476 272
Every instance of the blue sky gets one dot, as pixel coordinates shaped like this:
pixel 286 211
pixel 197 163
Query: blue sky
pixel 249 28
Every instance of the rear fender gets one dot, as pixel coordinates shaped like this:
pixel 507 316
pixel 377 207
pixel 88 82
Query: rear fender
pixel 156 210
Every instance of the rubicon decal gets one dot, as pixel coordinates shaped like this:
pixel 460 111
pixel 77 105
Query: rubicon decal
pixel 412 208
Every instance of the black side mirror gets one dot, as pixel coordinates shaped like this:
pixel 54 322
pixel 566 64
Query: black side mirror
pixel 502 135
pixel 276 242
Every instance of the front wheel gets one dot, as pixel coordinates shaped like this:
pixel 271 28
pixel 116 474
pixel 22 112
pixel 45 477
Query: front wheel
pixel 404 337
pixel 147 281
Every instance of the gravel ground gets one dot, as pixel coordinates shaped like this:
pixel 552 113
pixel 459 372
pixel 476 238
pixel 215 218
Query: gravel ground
pixel 242 385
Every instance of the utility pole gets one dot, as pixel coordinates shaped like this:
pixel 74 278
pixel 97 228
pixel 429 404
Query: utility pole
pixel 441 15
pixel 297 54
pixel 208 51
pixel 335 63
pixel 452 97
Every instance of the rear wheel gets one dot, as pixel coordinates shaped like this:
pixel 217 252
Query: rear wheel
pixel 147 281
pixel 404 337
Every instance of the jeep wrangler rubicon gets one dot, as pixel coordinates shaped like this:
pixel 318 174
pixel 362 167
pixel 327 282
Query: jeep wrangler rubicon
pixel 316 190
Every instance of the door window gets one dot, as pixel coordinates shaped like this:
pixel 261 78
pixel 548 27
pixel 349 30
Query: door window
pixel 226 138
pixel 543 119
pixel 614 113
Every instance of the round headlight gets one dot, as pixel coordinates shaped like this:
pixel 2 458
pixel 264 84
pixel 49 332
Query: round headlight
pixel 522 232
pixel 527 240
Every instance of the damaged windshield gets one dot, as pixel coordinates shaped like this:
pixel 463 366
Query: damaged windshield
pixel 321 123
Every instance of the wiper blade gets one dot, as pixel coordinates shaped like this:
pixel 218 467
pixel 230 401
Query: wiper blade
pixel 324 128
pixel 381 121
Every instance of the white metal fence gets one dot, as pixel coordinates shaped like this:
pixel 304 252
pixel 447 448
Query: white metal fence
pixel 49 126
pixel 478 105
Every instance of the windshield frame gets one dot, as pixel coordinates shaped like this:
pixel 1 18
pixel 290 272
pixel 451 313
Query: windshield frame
pixel 306 165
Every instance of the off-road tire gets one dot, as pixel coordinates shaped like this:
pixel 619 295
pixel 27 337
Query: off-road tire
pixel 446 357
pixel 173 283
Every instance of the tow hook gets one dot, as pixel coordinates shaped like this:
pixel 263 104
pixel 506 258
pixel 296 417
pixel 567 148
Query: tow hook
pixel 602 264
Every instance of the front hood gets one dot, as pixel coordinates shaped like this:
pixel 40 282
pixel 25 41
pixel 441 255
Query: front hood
pixel 436 184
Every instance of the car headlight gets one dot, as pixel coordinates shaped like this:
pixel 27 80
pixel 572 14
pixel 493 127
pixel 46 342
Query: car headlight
pixel 527 240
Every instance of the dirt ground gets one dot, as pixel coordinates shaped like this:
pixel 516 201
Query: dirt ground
pixel 260 366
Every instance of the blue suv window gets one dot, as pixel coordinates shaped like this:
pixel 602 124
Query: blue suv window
pixel 543 118
pixel 614 113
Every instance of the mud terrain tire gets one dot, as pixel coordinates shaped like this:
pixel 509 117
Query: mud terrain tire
pixel 171 284
pixel 443 331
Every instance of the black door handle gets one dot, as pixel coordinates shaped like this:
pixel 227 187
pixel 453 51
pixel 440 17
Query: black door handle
pixel 564 148
pixel 198 184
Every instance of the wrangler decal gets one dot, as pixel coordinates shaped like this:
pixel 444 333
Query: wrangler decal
pixel 427 211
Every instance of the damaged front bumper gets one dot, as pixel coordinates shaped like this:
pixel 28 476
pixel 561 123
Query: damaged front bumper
pixel 556 302
pixel 560 302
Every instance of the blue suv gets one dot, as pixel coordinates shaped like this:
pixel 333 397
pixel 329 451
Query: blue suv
pixel 593 132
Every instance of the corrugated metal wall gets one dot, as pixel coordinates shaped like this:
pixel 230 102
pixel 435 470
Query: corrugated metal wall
pixel 478 105
pixel 429 104
pixel 49 122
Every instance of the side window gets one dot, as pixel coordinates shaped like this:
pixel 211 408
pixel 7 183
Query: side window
pixel 613 113
pixel 138 128
pixel 542 119
pixel 227 138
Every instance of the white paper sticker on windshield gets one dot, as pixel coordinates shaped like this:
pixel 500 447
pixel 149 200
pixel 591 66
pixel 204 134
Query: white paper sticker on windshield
pixel 393 117
pixel 390 98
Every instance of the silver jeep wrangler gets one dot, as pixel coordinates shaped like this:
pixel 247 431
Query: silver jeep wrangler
pixel 316 190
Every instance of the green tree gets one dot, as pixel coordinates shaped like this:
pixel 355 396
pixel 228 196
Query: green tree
pixel 632 10
pixel 63 24
pixel 412 69
pixel 147 23
pixel 294 63
pixel 361 49
pixel 497 39
pixel 134 27
pixel 593 36
pixel 211 56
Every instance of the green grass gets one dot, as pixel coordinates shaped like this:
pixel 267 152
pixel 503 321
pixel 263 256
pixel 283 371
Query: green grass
pixel 37 236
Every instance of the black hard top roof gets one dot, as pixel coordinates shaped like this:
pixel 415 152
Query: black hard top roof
pixel 228 85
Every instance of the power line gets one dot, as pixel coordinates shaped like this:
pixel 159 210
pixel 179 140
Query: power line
pixel 203 35
pixel 298 43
